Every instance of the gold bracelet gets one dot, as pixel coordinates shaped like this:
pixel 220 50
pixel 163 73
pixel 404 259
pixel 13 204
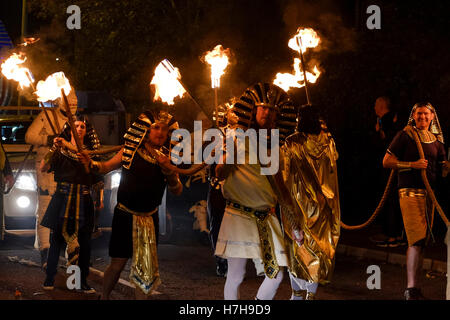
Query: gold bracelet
pixel 403 164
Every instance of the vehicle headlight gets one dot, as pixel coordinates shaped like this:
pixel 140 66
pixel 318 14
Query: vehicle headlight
pixel 115 180
pixel 25 182
pixel 23 202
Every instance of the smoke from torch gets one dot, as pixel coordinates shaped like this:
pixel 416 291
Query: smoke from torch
pixel 309 39
pixel 13 70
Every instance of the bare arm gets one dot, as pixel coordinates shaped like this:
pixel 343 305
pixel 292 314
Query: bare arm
pixel 390 161
pixel 44 166
pixel 102 167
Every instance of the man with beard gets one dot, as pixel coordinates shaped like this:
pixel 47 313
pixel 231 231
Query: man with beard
pixel 250 228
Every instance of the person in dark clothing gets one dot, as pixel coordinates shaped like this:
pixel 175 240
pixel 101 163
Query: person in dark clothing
pixel 216 204
pixel 70 214
pixel 386 128
pixel 403 155
pixel 142 184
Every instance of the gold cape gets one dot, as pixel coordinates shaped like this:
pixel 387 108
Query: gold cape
pixel 310 174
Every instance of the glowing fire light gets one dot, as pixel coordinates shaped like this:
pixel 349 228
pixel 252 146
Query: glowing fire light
pixel 218 59
pixel 297 80
pixel 308 38
pixel 12 70
pixel 50 89
pixel 165 80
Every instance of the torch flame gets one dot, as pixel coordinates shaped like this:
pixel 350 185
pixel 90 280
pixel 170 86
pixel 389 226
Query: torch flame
pixel 218 59
pixel 165 80
pixel 50 89
pixel 307 38
pixel 12 70
pixel 297 80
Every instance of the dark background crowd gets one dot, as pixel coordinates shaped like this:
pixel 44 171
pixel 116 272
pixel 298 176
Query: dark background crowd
pixel 121 42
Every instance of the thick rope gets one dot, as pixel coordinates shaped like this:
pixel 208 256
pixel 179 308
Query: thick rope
pixel 380 206
pixel 424 176
pixel 389 185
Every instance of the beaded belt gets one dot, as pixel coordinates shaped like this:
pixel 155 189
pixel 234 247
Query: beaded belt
pixel 411 192
pixel 271 266
pixel 260 214
pixel 64 187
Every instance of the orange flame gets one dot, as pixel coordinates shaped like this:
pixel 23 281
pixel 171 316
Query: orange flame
pixel 50 89
pixel 308 38
pixel 304 39
pixel 218 59
pixel 297 80
pixel 12 70
pixel 165 80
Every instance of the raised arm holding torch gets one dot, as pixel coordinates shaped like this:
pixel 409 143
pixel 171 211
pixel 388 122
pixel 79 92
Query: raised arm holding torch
pixel 71 121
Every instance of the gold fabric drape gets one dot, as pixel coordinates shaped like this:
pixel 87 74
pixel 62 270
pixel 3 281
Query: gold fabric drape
pixel 310 174
pixel 144 271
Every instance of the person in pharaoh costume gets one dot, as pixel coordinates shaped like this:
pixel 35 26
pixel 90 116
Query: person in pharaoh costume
pixel 143 181
pixel 416 207
pixel 250 228
pixel 308 165
pixel 70 213
pixel 40 134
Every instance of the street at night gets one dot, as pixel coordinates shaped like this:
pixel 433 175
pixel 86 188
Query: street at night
pixel 188 273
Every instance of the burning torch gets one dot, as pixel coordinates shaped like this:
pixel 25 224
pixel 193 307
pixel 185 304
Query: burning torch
pixel 298 38
pixel 304 39
pixel 12 70
pixel 168 85
pixel 218 59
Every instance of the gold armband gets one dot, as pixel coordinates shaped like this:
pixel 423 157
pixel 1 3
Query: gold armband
pixel 403 165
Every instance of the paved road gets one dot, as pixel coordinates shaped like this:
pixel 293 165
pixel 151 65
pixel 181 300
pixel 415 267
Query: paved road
pixel 188 273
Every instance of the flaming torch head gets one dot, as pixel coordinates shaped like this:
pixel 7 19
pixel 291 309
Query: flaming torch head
pixel 218 59
pixel 50 89
pixel 304 39
pixel 12 70
pixel 166 82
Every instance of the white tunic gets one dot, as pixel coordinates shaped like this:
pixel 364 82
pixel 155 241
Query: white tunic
pixel 238 235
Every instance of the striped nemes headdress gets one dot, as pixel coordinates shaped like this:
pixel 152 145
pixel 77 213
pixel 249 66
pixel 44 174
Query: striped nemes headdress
pixel 266 95
pixel 137 131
